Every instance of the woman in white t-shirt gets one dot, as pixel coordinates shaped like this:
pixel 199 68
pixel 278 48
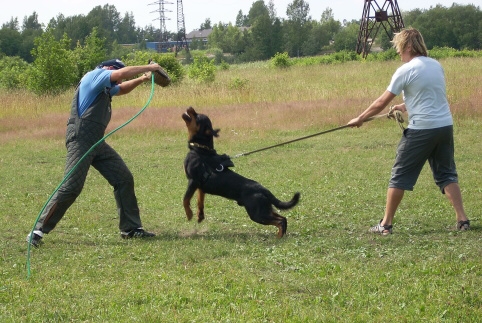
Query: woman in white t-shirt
pixel 429 135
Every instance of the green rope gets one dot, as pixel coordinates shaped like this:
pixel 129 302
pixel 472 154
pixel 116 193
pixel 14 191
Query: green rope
pixel 75 166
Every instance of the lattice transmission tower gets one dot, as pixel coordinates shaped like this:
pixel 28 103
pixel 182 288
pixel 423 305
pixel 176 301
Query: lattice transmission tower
pixel 181 31
pixel 163 35
pixel 374 17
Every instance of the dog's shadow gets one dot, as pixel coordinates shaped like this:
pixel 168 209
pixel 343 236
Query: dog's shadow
pixel 203 233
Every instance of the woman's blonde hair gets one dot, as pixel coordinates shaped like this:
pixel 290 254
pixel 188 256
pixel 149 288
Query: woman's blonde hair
pixel 410 38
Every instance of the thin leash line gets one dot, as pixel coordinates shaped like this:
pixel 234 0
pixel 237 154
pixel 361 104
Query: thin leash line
pixel 389 115
pixel 290 141
pixel 77 164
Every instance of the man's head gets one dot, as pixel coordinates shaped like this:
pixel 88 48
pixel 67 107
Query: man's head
pixel 115 63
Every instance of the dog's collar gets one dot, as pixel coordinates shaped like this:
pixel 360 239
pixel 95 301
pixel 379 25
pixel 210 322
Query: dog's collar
pixel 194 144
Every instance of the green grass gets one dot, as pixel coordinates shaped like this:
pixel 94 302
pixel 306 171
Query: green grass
pixel 328 268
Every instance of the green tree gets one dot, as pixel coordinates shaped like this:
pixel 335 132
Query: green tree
pixel 258 9
pixel 53 69
pixel 265 34
pixel 216 38
pixel 76 27
pixel 467 22
pixel 197 43
pixel 91 54
pixel 409 17
pixel 241 19
pixel 298 11
pixel 234 40
pixel 260 32
pixel 320 34
pixel 317 38
pixel 385 40
pixel 31 29
pixel 457 27
pixel 297 26
pixel 12 24
pixel 272 10
pixel 347 37
pixel 230 39
pixel 126 30
pixel 276 37
pixel 329 24
pixel 10 41
pixel 107 20
pixel 150 33
pixel 206 24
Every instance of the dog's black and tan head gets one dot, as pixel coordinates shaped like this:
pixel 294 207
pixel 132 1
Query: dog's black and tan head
pixel 200 129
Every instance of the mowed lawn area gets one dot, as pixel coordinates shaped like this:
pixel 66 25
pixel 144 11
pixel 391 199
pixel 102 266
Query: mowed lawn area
pixel 328 268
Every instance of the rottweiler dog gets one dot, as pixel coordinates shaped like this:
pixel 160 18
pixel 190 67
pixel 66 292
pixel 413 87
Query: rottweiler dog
pixel 209 173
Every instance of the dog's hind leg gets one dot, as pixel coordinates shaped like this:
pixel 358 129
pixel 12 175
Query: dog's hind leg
pixel 281 223
pixel 200 205
pixel 261 211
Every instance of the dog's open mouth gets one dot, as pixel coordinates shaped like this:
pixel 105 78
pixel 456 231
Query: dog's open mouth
pixel 186 117
pixel 189 115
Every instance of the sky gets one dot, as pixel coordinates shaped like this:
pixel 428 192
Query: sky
pixel 197 11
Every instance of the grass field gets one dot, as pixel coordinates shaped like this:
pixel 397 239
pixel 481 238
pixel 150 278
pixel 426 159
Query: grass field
pixel 328 268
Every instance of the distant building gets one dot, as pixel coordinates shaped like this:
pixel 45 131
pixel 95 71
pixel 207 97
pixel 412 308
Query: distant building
pixel 163 47
pixel 201 35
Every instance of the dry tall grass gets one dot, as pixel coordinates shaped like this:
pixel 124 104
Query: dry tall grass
pixel 248 97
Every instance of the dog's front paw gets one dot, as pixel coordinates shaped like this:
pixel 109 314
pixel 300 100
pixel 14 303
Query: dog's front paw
pixel 189 214
pixel 200 217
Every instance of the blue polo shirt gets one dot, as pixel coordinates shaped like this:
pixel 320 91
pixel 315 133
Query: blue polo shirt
pixel 91 85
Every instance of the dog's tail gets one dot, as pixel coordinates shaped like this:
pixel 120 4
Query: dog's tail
pixel 287 205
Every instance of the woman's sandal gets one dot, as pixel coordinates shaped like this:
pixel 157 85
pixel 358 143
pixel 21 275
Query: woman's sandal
pixel 463 225
pixel 381 229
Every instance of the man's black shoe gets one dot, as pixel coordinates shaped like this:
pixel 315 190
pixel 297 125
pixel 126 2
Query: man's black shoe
pixel 36 239
pixel 136 233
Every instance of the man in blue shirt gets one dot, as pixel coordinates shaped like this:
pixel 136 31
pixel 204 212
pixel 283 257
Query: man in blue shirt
pixel 89 117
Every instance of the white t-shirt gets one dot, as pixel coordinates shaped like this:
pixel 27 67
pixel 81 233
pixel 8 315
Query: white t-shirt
pixel 422 81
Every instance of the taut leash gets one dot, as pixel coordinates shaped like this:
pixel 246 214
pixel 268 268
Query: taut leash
pixel 390 115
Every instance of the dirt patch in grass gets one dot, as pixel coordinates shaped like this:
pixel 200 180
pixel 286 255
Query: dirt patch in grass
pixel 258 116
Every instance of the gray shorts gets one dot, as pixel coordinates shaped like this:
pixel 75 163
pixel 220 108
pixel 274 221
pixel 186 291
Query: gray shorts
pixel 418 146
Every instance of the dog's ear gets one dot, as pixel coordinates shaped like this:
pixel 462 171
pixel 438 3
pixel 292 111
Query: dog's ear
pixel 216 132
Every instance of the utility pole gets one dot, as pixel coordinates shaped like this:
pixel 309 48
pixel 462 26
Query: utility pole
pixel 181 31
pixel 163 39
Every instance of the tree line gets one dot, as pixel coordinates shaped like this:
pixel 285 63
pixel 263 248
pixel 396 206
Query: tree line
pixel 458 27
pixel 53 59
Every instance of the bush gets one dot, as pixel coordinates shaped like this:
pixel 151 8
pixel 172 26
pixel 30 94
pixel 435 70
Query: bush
pixel 386 55
pixel 441 52
pixel 238 83
pixel 167 61
pixel 281 60
pixel 224 65
pixel 202 70
pixel 345 56
pixel 13 71
pixel 218 55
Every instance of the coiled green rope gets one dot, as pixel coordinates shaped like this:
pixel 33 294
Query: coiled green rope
pixel 75 166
